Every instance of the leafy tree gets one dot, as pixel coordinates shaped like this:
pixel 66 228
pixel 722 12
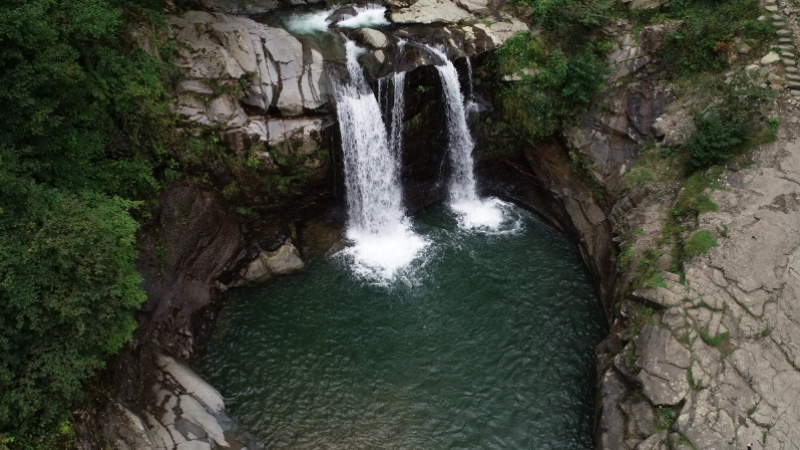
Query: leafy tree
pixel 67 286
pixel 84 124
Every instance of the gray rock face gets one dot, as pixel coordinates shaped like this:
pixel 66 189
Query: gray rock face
pixel 226 48
pixel 627 57
pixel 663 362
pixel 728 344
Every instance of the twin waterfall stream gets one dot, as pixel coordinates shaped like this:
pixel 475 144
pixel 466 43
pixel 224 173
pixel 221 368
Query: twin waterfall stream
pixel 383 241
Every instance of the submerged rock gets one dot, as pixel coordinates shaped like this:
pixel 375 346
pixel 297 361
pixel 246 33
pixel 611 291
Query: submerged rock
pixel 282 261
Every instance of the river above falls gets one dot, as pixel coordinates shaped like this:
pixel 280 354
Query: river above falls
pixel 488 342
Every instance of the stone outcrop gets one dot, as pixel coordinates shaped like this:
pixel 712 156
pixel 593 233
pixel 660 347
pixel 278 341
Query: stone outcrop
pixel 232 63
pixel 189 414
pixel 608 136
pixel 720 351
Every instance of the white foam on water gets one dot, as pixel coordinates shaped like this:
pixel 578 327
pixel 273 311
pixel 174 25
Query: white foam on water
pixel 366 17
pixel 384 257
pixel 491 216
pixel 383 242
pixel 309 23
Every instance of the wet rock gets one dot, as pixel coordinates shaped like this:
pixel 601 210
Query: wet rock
pixel 372 38
pixel 283 261
pixel 663 361
pixel 180 260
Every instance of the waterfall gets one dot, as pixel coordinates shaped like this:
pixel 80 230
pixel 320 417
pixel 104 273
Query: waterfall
pixel 380 231
pixel 398 112
pixel 472 107
pixel 472 211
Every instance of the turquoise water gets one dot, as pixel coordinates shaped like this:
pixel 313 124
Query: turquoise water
pixel 488 344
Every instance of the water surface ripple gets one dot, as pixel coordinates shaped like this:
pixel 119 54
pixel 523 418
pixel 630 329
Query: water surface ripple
pixel 489 347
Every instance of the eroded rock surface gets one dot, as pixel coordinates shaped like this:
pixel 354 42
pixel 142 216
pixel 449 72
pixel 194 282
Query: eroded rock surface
pixel 725 345
pixel 189 415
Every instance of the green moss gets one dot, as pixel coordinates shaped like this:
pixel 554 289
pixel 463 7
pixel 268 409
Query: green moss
pixel 699 243
pixel 715 341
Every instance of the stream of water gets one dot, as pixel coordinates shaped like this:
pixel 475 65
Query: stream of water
pixel 382 240
pixel 490 345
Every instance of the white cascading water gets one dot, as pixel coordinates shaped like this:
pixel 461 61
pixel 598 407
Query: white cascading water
pixel 472 107
pixel 398 112
pixel 473 212
pixel 383 242
pixel 317 22
pixel 366 16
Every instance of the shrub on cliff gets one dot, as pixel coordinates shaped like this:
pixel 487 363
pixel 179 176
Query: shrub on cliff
pixel 705 40
pixel 731 123
pixel 551 85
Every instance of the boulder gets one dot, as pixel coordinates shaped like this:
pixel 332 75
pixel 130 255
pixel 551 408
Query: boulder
pixel 477 7
pixel 663 362
pixel 674 129
pixel 771 57
pixel 657 296
pixel 372 38
pixel 431 11
pixel 499 32
pixel 283 261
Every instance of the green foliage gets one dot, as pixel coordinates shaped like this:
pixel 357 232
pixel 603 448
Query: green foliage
pixel 85 121
pixel 553 83
pixel 704 40
pixel 699 243
pixel 569 20
pixel 692 199
pixel 666 417
pixel 67 285
pixel 59 437
pixel 735 122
